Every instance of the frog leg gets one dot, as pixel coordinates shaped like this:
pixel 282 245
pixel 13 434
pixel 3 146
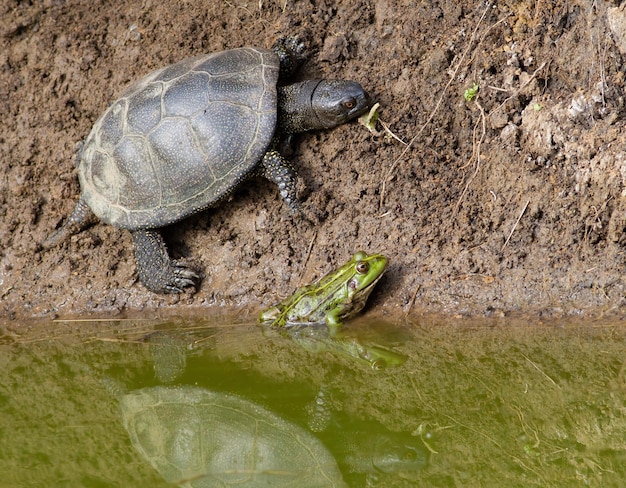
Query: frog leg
pixel 334 323
pixel 157 271
pixel 279 170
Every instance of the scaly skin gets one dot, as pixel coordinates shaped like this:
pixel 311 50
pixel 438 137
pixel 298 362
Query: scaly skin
pixel 279 170
pixel 80 218
pixel 156 270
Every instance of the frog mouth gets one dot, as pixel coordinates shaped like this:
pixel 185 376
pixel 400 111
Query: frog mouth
pixel 369 287
pixel 362 295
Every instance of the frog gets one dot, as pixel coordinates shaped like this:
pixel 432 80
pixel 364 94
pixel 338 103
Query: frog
pixel 332 299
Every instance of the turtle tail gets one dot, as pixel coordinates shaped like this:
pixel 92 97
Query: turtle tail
pixel 80 218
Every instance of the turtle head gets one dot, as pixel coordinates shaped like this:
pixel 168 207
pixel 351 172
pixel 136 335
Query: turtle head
pixel 320 104
pixel 335 102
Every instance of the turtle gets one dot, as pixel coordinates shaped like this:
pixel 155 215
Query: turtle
pixel 182 138
pixel 195 437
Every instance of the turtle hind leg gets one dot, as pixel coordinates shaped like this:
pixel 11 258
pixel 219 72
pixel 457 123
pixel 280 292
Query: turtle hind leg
pixel 157 271
pixel 80 218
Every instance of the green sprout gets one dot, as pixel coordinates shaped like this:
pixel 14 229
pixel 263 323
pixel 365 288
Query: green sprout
pixel 471 93
pixel 369 119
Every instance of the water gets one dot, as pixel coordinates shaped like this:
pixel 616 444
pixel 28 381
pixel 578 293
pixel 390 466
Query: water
pixel 460 404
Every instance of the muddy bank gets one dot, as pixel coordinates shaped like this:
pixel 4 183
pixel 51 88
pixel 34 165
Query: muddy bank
pixel 511 201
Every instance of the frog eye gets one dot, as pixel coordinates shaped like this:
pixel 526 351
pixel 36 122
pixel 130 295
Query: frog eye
pixel 379 364
pixel 362 267
pixel 350 104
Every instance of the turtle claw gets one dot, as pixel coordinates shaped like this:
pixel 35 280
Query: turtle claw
pixel 156 270
pixel 295 45
pixel 292 44
pixel 183 273
pixel 175 278
pixel 290 52
pixel 182 277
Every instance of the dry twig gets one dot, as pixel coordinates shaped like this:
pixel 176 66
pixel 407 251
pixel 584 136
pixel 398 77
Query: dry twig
pixel 475 155
pixel 515 225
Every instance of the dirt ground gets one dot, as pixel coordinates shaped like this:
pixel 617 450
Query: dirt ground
pixel 512 201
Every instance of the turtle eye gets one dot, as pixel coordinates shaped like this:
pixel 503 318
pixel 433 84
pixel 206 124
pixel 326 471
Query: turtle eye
pixel 350 104
pixel 362 267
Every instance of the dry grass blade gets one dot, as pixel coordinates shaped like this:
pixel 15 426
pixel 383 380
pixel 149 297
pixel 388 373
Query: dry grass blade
pixel 515 225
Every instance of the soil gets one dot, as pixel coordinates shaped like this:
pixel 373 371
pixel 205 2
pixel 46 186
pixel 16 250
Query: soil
pixel 508 198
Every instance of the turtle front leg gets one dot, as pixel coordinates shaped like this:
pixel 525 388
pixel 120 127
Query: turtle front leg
pixel 290 52
pixel 277 169
pixel 157 271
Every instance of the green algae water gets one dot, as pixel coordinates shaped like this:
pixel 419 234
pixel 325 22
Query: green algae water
pixel 451 403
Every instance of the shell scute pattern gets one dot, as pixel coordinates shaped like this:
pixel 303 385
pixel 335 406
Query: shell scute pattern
pixel 133 173
pixel 187 94
pixel 112 127
pixel 220 128
pixel 225 63
pixel 175 70
pixel 104 178
pixel 144 109
pixel 181 169
pixel 181 138
pixel 198 438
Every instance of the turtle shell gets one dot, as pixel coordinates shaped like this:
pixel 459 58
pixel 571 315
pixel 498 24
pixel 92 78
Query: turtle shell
pixel 198 438
pixel 181 138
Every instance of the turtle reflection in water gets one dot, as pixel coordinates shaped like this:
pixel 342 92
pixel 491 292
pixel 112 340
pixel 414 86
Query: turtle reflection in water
pixel 180 431
pixel 198 438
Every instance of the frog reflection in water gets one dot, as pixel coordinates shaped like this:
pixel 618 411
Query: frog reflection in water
pixel 336 297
